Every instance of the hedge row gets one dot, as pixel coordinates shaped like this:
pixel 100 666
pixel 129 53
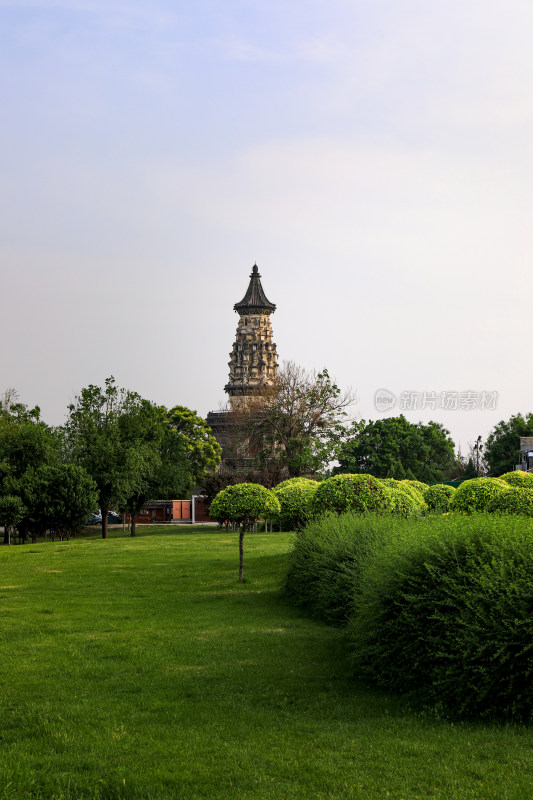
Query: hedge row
pixel 439 606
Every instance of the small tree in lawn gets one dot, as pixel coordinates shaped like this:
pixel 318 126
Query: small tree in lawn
pixel 244 504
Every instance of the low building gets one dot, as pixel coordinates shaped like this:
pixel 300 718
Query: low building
pixel 526 454
pixel 164 511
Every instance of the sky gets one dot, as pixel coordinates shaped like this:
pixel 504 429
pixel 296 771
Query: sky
pixel 374 157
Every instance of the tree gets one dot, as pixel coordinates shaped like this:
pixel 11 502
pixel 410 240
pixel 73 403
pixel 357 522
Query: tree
pixel 186 453
pixel 502 448
pixel 111 432
pixel 12 511
pixel 25 441
pixel 26 444
pixel 58 499
pixel 395 448
pixel 243 504
pixel 297 422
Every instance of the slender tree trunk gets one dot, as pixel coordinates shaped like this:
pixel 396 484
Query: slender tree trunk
pixel 241 554
pixel 6 534
pixel 104 512
pixel 133 523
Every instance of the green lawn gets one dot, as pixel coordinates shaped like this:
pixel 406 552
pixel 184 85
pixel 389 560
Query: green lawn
pixel 140 668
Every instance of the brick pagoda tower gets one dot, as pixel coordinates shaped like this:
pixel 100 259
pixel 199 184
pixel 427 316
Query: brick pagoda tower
pixel 253 359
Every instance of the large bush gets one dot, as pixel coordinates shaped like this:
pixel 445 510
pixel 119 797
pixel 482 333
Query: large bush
pixel 326 561
pixel 438 497
pixel 516 500
pixel 295 496
pixel 518 478
pixel 445 612
pixel 417 486
pixel 404 501
pixel 343 493
pixel 476 494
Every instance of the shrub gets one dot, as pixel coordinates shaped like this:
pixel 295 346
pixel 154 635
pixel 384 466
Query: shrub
pixel 444 612
pixel 295 496
pixel 343 493
pixel 476 494
pixel 403 500
pixel 438 497
pixel 516 500
pixel 518 478
pixel 418 486
pixel 326 561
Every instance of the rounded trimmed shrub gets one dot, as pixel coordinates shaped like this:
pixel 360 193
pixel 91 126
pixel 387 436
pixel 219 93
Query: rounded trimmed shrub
pixel 438 497
pixel 341 493
pixel 518 478
pixel 444 613
pixel 476 494
pixel 516 500
pixel 403 501
pixel 295 496
pixel 418 486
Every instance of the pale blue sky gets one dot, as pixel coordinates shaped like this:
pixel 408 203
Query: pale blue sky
pixel 374 158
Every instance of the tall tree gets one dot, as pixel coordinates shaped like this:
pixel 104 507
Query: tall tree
pixel 110 432
pixel 297 422
pixel 395 448
pixel 502 448
pixel 187 451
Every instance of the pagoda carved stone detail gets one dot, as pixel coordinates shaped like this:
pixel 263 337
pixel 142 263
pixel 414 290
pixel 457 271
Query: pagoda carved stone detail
pixel 253 360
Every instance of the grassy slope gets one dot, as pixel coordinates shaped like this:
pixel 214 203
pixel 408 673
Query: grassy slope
pixel 141 668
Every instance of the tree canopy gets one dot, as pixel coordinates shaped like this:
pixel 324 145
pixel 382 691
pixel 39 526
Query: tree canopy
pixel 114 434
pixel 296 423
pixel 395 448
pixel 186 452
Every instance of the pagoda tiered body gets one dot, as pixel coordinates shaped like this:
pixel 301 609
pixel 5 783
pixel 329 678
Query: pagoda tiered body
pixel 253 364
pixel 253 360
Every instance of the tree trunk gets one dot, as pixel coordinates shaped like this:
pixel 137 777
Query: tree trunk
pixel 6 534
pixel 133 523
pixel 241 554
pixel 104 512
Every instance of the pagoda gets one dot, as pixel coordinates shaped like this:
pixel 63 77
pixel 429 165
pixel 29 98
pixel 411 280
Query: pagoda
pixel 253 362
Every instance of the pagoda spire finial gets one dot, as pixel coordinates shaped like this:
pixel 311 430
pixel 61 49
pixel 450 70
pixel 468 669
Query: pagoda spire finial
pixel 255 300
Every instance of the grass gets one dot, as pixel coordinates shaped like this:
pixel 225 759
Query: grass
pixel 140 668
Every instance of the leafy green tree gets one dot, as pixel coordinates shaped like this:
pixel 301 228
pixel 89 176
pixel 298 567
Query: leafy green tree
pixel 186 452
pixel 59 499
pixel 25 441
pixel 297 422
pixel 502 448
pixel 110 432
pixel 243 504
pixel 12 511
pixel 395 448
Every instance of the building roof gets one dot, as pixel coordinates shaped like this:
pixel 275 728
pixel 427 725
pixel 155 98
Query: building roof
pixel 255 300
